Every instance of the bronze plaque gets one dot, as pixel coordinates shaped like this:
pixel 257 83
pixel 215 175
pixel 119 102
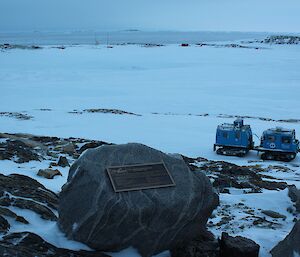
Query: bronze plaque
pixel 142 176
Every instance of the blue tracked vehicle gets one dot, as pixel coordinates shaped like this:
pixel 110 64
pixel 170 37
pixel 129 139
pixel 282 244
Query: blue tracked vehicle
pixel 233 139
pixel 278 144
pixel 236 140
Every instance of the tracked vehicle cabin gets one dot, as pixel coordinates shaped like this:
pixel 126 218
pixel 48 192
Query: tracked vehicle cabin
pixel 233 139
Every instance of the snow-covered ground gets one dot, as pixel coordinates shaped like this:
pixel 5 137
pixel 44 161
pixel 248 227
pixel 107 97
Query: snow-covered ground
pixel 171 88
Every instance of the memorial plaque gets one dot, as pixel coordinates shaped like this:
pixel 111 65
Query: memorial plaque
pixel 142 176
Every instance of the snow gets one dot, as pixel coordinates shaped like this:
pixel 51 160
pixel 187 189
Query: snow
pixel 48 230
pixel 265 237
pixel 169 87
pixel 31 169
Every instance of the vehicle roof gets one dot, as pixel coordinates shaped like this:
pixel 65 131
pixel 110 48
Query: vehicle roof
pixel 229 126
pixel 280 131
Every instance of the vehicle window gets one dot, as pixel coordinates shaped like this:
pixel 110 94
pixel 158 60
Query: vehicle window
pixel 237 135
pixel 271 138
pixel 225 134
pixel 286 140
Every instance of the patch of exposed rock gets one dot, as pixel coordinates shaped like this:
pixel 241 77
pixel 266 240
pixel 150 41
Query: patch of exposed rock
pixel 204 246
pixel 26 193
pixel 289 246
pixel 16 115
pixel 18 151
pixel 237 246
pixel 22 148
pixel 111 111
pixel 278 40
pixel 226 246
pixel 225 175
pixel 4 225
pixel 294 194
pixel 49 173
pixel 63 161
pixel 14 46
pixel 8 213
pixel 105 111
pixel 273 214
pixel 27 244
pixel 282 40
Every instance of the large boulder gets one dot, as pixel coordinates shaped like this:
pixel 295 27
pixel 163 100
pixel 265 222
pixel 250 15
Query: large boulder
pixel 151 220
pixel 290 246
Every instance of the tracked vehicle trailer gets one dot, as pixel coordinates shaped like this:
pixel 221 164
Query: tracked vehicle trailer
pixel 278 144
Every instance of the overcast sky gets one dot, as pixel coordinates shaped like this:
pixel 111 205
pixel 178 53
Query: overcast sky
pixel 184 15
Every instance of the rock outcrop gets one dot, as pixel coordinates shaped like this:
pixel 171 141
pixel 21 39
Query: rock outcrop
pixel 151 220
pixel 26 193
pixel 204 246
pixel 208 246
pixel 225 175
pixel 28 244
pixel 294 194
pixel 290 245
pixel 237 246
pixel 49 173
pixel 63 161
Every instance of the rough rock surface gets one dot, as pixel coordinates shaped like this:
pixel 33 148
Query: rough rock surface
pixel 27 244
pixel 11 214
pixel 290 245
pixel 4 225
pixel 149 220
pixel 92 144
pixel 200 247
pixel 273 214
pixel 294 194
pixel 63 161
pixel 237 247
pixel 26 193
pixel 48 173
pixel 18 150
pixel 225 175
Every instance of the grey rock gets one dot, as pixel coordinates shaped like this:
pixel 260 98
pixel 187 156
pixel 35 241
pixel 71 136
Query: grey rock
pixel 69 149
pixel 200 247
pixel 18 151
pixel 40 209
pixel 48 173
pixel 22 186
pixel 111 111
pixel 237 246
pixel 273 214
pixel 26 193
pixel 4 225
pixel 226 175
pixel 63 161
pixel 92 144
pixel 294 194
pixel 26 244
pixel 282 39
pixel 290 245
pixel 11 214
pixel 151 220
